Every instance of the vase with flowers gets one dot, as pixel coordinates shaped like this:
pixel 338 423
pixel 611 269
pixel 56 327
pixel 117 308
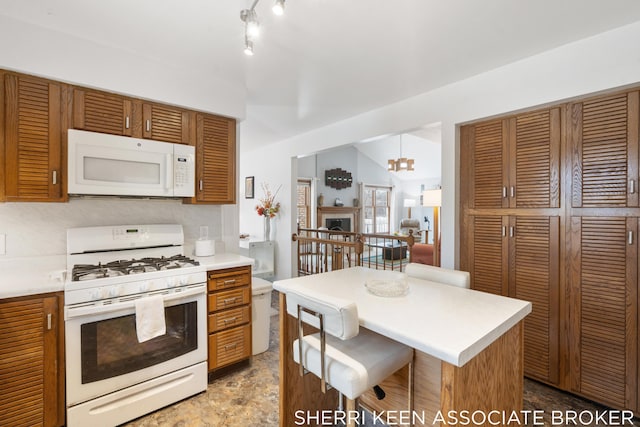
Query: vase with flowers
pixel 268 208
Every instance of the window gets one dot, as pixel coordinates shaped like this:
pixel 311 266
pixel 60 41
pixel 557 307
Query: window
pixel 304 203
pixel 377 209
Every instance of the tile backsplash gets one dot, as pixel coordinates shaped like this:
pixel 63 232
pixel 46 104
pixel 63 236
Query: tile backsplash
pixel 34 229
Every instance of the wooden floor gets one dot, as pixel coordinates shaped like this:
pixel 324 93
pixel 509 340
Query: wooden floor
pixel 249 397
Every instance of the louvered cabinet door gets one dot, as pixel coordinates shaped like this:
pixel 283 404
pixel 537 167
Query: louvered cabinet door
pixel 106 113
pixel 485 174
pixel 33 139
pixel 488 253
pixel 534 145
pixel 604 137
pixel 28 362
pixel 534 272
pixel 604 350
pixel 166 123
pixel 215 160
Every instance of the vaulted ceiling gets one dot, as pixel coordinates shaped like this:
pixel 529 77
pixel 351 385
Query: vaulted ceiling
pixel 327 60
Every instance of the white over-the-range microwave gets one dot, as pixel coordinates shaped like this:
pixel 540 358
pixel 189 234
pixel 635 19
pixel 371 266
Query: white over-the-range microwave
pixel 103 164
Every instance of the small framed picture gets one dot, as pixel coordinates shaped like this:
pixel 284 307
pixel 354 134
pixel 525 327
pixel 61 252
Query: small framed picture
pixel 248 187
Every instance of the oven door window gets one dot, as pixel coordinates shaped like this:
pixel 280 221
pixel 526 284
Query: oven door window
pixel 110 347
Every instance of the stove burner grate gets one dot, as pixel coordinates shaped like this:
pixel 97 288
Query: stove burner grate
pixel 133 266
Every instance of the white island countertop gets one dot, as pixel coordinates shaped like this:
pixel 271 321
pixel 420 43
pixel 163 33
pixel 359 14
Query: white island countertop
pixel 450 323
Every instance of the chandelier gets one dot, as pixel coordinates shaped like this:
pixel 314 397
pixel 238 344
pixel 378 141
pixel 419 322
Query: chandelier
pixel 401 163
pixel 252 25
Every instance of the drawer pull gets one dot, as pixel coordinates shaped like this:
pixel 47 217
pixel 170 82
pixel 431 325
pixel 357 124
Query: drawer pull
pixel 230 300
pixel 229 282
pixel 232 320
pixel 230 346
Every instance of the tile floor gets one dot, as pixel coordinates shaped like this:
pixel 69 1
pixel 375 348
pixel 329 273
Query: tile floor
pixel 249 398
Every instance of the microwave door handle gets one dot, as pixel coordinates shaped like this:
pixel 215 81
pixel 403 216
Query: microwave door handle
pixel 168 182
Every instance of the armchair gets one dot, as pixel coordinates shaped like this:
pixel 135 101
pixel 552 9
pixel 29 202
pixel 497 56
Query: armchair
pixel 407 224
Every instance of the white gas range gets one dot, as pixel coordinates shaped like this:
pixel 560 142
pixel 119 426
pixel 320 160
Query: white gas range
pixel 112 377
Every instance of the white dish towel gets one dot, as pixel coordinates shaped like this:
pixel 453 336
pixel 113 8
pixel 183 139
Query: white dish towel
pixel 150 321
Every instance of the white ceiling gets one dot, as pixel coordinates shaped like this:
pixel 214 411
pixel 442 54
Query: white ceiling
pixel 327 60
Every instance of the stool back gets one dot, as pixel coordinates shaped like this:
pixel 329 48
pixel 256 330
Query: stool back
pixel 458 278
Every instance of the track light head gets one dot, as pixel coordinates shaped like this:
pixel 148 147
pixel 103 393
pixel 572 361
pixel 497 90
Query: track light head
pixel 248 47
pixel 278 7
pixel 250 19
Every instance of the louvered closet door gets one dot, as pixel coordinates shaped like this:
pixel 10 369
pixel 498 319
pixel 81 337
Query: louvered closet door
pixel 164 123
pixel 488 164
pixel 105 113
pixel 32 138
pixel 534 247
pixel 534 146
pixel 604 136
pixel 604 283
pixel 28 363
pixel 488 257
pixel 216 159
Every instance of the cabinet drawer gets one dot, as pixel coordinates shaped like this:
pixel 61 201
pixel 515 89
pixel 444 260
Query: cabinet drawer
pixel 225 279
pixel 228 299
pixel 229 346
pixel 229 318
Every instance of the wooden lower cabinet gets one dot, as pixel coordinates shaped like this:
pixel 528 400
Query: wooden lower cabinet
pixel 604 326
pixel 31 361
pixel 229 322
pixel 518 256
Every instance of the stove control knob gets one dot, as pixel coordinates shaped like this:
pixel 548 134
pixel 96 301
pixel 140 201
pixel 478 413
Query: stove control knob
pixel 171 282
pixel 114 292
pixel 95 294
pixel 144 287
pixel 184 280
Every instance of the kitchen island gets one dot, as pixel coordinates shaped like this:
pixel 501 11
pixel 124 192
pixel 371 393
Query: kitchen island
pixel 468 349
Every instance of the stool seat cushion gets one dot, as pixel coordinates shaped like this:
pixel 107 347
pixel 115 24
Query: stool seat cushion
pixel 353 366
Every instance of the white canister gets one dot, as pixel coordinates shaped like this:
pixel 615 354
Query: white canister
pixel 205 248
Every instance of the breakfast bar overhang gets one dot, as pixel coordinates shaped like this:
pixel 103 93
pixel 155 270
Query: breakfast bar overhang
pixel 468 348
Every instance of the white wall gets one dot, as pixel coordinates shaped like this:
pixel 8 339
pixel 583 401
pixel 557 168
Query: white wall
pixel 47 53
pixel 594 64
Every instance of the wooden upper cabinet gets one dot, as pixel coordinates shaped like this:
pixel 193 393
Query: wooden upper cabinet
pixel 106 113
pixel 33 139
pixel 215 160
pixel 514 162
pixel 166 123
pixel 604 144
pixel 604 286
pixel 484 177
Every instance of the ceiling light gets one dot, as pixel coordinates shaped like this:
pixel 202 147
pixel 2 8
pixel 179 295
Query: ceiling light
pixel 248 47
pixel 250 19
pixel 401 163
pixel 278 7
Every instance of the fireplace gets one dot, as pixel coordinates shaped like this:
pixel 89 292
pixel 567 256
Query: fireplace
pixel 338 224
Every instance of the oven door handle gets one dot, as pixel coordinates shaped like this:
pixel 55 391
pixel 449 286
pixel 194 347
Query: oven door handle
pixel 91 310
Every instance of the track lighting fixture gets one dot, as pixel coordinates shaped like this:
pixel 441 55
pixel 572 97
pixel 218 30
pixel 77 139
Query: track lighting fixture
pixel 251 24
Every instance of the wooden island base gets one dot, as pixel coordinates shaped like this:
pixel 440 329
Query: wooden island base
pixel 491 381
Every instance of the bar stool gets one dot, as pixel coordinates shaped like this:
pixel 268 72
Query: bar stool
pixel 348 358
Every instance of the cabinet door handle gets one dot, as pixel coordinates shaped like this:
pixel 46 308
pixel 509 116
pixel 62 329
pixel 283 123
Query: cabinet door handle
pixel 630 237
pixel 230 346
pixel 148 125
pixel 54 178
pixel 229 282
pixel 504 192
pixel 504 231
pixel 200 185
pixel 232 320
pixel 230 300
pixel 513 191
pixel 632 186
pixel 512 231
pixel 126 122
pixel 49 321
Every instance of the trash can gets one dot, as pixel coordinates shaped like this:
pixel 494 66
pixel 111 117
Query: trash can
pixel 260 314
